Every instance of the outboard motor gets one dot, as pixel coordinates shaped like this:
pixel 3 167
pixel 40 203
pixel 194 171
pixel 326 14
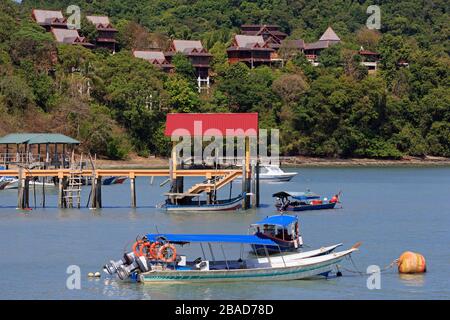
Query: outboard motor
pixel 112 266
pixel 124 271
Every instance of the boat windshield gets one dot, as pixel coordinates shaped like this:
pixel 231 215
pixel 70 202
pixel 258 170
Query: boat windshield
pixel 275 231
pixel 271 169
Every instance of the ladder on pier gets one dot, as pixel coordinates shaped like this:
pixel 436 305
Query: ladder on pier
pixel 72 193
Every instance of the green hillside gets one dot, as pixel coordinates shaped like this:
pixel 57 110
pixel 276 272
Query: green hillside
pixel 116 104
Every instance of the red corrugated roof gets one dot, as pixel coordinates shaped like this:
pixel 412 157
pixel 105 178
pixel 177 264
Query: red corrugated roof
pixel 195 124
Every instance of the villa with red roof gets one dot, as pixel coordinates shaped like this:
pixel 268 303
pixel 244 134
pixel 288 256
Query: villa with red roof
pixel 194 51
pixel 49 19
pixel 369 59
pixel 156 58
pixel 106 32
pixel 251 50
pixel 69 36
pixel 270 32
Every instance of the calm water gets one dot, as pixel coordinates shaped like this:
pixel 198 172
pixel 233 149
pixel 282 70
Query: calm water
pixel 390 210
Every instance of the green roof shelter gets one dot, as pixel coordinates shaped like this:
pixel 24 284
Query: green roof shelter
pixel 27 143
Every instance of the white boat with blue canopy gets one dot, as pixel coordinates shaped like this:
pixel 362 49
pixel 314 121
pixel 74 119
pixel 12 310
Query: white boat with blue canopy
pixel 154 259
pixel 282 229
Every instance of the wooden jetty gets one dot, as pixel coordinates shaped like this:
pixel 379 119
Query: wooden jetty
pixel 62 169
pixel 64 174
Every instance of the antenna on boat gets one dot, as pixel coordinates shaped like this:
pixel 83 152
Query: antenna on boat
pixel 157 231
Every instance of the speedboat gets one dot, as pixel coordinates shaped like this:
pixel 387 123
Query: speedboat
pixel 303 201
pixel 275 173
pixel 154 259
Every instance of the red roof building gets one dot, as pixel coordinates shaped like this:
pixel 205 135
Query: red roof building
pixel 49 19
pixel 156 58
pixel 69 36
pixel 369 59
pixel 194 51
pixel 106 32
pixel 212 124
pixel 252 50
pixel 270 32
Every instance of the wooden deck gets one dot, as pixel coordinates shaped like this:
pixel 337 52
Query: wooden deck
pixel 130 173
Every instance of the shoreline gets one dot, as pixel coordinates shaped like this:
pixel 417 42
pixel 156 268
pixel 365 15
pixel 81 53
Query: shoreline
pixel 293 162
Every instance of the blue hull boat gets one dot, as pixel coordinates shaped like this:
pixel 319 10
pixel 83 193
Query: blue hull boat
pixel 303 201
pixel 309 207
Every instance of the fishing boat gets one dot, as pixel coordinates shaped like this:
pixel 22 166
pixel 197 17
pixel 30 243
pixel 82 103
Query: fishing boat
pixel 154 259
pixel 303 201
pixel 194 203
pixel 42 183
pixel 3 184
pixel 9 183
pixel 13 183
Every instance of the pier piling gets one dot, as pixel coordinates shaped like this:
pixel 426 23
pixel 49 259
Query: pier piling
pixel 133 191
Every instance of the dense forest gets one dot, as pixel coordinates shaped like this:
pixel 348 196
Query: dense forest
pixel 116 104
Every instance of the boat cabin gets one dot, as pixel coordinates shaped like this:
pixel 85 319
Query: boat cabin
pixel 282 229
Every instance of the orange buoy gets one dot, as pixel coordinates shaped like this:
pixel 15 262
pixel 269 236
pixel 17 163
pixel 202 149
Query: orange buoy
pixel 411 262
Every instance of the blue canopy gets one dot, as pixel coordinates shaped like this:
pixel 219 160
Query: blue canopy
pixel 223 238
pixel 297 195
pixel 279 220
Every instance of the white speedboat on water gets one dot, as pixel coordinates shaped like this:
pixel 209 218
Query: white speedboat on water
pixel 275 173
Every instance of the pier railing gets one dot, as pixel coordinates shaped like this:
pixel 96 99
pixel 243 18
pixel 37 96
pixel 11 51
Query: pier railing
pixel 131 173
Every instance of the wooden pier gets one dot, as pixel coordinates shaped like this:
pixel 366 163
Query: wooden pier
pixel 25 175
pixel 68 174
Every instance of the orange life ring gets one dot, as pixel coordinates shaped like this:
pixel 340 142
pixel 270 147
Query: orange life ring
pixel 162 254
pixel 154 249
pixel 146 245
pixel 138 247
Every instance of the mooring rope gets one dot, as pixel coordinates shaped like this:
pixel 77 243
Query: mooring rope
pixel 361 273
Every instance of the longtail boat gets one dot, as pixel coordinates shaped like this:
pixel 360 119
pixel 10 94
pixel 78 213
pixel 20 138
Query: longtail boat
pixel 303 201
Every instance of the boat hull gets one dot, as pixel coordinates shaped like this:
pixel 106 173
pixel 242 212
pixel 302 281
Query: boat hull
pixel 277 177
pixel 234 204
pixel 309 207
pixel 280 273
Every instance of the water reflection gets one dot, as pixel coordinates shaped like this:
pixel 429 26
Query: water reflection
pixel 412 280
pixel 377 211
